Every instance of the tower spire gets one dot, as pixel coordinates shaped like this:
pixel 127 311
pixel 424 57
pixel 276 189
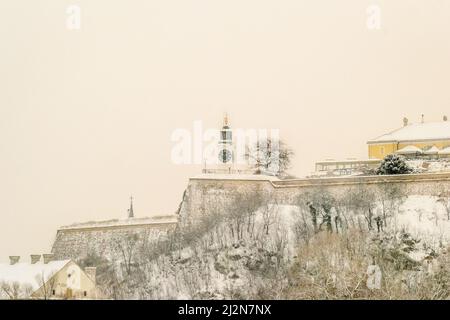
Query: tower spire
pixel 130 211
pixel 225 119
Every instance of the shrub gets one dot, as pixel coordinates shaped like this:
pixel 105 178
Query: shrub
pixel 393 164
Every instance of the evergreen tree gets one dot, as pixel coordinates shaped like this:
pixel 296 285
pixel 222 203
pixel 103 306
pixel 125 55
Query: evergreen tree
pixel 393 164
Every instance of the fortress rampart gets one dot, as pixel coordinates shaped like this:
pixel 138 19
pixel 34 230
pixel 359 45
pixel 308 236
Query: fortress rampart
pixel 206 192
pixel 79 240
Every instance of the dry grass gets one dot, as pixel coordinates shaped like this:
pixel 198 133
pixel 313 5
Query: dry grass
pixel 334 266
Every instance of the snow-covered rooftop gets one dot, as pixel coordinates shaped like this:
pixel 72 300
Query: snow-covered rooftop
pixel 416 132
pixel 409 150
pixel 432 150
pixel 445 151
pixel 166 219
pixel 28 274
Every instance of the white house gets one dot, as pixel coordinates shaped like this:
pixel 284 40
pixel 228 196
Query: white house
pixel 46 279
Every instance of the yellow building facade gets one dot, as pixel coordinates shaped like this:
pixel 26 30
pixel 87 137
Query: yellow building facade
pixel 423 136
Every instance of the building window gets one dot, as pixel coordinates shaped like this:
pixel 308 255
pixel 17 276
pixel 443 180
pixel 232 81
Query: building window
pixel 382 150
pixel 53 292
pixel 85 293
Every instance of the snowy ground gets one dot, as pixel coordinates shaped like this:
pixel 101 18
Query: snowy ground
pixel 438 165
pixel 425 218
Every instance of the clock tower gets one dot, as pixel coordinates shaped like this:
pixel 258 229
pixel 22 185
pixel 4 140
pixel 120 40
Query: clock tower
pixel 228 156
pixel 226 143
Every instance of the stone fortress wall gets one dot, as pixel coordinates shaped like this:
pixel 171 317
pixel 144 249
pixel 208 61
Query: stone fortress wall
pixel 208 191
pixel 79 240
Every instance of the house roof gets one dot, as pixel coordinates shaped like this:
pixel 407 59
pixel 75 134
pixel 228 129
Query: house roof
pixel 417 132
pixel 445 151
pixel 30 274
pixel 409 150
pixel 432 150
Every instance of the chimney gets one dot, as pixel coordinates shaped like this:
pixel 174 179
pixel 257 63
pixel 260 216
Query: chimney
pixel 47 257
pixel 445 118
pixel 91 273
pixel 35 258
pixel 13 259
pixel 405 121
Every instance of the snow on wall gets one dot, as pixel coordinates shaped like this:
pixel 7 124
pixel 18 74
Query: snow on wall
pixel 168 219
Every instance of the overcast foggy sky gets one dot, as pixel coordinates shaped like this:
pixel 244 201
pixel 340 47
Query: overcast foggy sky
pixel 86 116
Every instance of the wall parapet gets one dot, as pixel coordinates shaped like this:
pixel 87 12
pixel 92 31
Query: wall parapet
pixel 127 223
pixel 336 181
pixel 375 179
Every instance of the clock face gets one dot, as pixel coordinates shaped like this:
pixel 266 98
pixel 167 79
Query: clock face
pixel 225 156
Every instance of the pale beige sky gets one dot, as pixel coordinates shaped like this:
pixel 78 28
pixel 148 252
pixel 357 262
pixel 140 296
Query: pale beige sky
pixel 86 116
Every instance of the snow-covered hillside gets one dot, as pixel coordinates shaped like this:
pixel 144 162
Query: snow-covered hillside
pixel 250 255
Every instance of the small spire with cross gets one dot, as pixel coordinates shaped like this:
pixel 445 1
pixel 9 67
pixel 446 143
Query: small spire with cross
pixel 130 211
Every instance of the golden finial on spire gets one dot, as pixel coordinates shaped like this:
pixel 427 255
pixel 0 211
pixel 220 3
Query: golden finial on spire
pixel 225 119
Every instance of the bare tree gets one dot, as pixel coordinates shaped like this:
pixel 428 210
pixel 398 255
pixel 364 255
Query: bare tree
pixel 362 202
pixel 11 290
pixel 269 214
pixel 126 246
pixel 269 155
pixel 47 285
pixel 390 196
pixel 242 210
pixel 319 202
pixel 16 290
pixel 444 199
pixel 343 219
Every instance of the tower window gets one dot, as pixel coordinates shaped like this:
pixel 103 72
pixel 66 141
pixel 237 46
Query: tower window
pixel 226 135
